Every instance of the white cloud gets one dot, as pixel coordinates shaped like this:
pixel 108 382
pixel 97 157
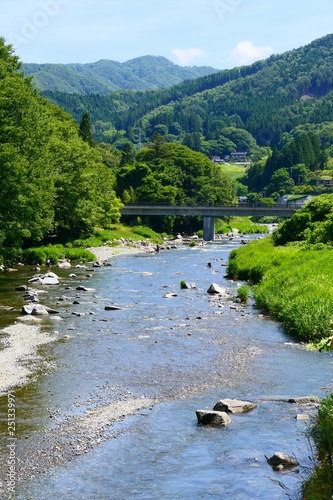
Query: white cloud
pixel 187 56
pixel 246 53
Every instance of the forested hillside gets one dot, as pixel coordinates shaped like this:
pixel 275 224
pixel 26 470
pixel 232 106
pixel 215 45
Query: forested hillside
pixel 268 100
pixel 103 77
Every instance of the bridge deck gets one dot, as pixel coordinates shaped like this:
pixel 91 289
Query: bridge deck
pixel 203 211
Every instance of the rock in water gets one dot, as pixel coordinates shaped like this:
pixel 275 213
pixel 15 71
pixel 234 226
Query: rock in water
pixel 234 406
pixel 214 288
pixel 282 459
pixel 214 418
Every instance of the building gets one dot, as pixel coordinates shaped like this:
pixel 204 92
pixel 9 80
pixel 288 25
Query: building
pixel 217 159
pixel 238 157
pixel 325 183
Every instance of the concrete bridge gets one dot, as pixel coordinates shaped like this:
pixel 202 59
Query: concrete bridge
pixel 209 213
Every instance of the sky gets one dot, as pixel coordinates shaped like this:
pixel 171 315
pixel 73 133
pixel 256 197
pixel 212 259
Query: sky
pixel 218 33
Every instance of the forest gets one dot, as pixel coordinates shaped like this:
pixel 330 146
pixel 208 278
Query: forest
pixel 58 185
pixel 105 76
pixel 266 102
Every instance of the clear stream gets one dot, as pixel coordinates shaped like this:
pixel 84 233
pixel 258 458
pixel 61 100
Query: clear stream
pixel 188 352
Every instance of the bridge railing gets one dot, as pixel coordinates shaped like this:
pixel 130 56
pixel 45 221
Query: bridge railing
pixel 230 205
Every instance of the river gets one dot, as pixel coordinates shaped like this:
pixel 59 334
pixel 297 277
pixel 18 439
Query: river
pixel 146 368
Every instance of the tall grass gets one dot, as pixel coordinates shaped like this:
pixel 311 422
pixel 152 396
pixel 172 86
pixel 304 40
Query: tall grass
pixel 243 224
pixel 55 253
pixel 320 486
pixel 291 283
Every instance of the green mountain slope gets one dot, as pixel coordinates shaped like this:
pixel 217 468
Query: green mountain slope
pixel 103 77
pixel 268 100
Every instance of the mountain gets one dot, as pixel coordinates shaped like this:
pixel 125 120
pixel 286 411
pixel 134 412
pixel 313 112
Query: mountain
pixel 103 77
pixel 231 110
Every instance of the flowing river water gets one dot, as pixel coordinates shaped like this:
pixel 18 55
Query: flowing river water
pixel 106 406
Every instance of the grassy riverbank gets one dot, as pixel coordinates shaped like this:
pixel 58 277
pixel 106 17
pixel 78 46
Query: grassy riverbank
pixel 320 485
pixel 291 283
pixel 77 250
pixel 243 224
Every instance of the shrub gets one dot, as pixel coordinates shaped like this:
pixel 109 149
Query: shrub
pixel 11 256
pixel 35 255
pixel 243 293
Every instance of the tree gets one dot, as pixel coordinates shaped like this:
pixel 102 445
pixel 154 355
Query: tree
pixel 52 181
pixel 126 155
pixel 85 130
pixel 280 182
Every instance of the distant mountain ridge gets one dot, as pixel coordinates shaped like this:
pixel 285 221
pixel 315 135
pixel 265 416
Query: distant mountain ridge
pixel 105 76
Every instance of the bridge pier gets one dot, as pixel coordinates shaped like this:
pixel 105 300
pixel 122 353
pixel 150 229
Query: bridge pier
pixel 209 228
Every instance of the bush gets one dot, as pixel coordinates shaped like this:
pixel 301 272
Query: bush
pixel 11 256
pixel 243 293
pixel 35 255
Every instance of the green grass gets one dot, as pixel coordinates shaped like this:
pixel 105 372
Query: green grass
pixel 291 283
pixel 77 250
pixel 135 233
pixel 115 233
pixel 320 485
pixel 56 252
pixel 234 172
pixel 243 224
pixel 243 293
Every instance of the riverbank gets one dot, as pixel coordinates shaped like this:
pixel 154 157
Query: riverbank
pixel 293 284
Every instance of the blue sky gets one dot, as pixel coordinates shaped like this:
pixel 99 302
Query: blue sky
pixel 218 33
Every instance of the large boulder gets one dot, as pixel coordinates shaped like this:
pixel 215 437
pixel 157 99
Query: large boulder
pixel 35 310
pixel 214 288
pixel 50 279
pixel 234 406
pixel 214 418
pixel 64 265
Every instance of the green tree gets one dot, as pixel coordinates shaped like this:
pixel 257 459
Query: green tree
pixel 85 130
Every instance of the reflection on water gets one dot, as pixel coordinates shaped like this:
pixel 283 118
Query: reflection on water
pixel 188 351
